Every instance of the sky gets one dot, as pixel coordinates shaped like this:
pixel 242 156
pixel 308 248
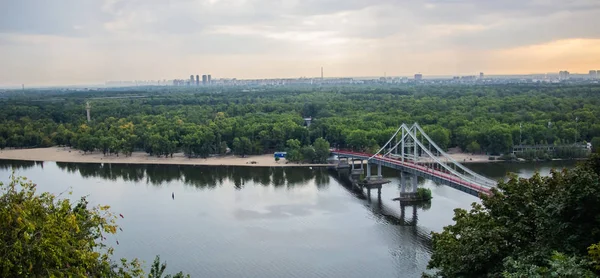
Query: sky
pixel 62 42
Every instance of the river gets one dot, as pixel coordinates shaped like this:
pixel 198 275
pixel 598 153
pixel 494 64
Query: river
pixel 262 222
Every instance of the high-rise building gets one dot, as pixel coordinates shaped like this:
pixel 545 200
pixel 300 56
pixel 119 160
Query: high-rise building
pixel 197 80
pixel 593 74
pixel 191 82
pixel 563 75
pixel 418 76
pixel 481 75
pixel 209 79
pixel 204 79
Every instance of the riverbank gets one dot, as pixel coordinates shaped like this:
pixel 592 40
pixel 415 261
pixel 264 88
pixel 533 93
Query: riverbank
pixel 61 154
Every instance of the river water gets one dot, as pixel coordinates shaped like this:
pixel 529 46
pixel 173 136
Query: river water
pixel 263 222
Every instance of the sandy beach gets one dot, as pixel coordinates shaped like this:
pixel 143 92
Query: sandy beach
pixel 61 154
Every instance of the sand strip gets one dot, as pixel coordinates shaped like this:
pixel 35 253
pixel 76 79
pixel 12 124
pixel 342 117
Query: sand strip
pixel 60 154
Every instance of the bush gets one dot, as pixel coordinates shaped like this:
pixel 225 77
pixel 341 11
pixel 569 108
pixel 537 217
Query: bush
pixel 424 193
pixel 508 157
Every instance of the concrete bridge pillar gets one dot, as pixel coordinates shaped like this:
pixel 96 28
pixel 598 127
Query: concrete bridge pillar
pixel 414 183
pixel 368 170
pixel 406 180
pixel 379 174
pixel 402 182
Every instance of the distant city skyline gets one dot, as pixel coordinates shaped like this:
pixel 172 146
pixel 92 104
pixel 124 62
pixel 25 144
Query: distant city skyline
pixel 90 42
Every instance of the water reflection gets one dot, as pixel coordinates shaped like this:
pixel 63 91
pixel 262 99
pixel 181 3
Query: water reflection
pixel 384 211
pixel 19 164
pixel 197 176
pixel 260 222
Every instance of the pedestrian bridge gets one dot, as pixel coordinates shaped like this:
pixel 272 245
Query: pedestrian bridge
pixel 414 154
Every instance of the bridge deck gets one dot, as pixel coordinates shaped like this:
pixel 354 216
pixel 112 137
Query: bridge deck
pixel 420 170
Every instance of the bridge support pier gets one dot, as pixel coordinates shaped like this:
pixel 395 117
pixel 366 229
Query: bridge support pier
pixel 408 192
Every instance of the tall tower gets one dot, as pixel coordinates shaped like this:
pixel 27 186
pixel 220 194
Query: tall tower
pixel 209 79
pixel 87 108
pixel 321 73
pixel 197 80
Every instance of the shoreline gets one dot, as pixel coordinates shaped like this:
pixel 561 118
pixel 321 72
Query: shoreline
pixel 68 155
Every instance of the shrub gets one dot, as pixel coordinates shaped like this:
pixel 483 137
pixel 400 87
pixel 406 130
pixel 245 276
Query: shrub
pixel 424 193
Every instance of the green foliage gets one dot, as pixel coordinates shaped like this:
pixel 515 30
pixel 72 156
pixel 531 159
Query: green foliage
pixel 559 265
pixel 293 150
pixel 308 153
pixel 158 268
pixel 594 253
pixel 439 135
pixel 507 157
pixel 42 235
pixel 522 224
pixel 361 117
pixel 321 150
pixel 474 147
pixel 424 193
pixel 596 144
pixel 46 236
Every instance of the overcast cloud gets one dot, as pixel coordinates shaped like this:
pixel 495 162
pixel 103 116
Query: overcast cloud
pixel 52 42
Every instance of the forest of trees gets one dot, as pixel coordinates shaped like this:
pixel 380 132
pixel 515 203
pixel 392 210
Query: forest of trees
pixel 199 123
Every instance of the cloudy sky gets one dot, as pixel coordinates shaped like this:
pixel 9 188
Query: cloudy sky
pixel 59 42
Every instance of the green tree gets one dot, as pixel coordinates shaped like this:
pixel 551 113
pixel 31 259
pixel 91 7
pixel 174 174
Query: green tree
pixel 237 146
pixel 474 147
pixel 357 139
pixel 499 140
pixel 293 144
pixel 596 144
pixel 45 236
pixel 439 135
pixel 158 268
pixel 321 150
pixel 559 265
pixel 223 147
pixel 308 153
pixel 524 220
pixel 246 146
pixel 293 151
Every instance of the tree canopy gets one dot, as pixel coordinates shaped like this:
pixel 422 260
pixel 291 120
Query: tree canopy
pixel 536 227
pixel 44 235
pixel 200 122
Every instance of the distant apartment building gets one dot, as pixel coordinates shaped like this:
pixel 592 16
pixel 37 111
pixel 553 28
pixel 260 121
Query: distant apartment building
pixel 204 79
pixel 209 79
pixel 418 76
pixel 563 75
pixel 593 74
pixel 197 80
pixel 481 75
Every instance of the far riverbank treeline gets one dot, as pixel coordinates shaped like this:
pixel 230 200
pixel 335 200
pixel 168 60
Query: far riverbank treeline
pixel 477 119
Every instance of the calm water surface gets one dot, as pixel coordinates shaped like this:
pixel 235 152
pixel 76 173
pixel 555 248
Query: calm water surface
pixel 262 222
